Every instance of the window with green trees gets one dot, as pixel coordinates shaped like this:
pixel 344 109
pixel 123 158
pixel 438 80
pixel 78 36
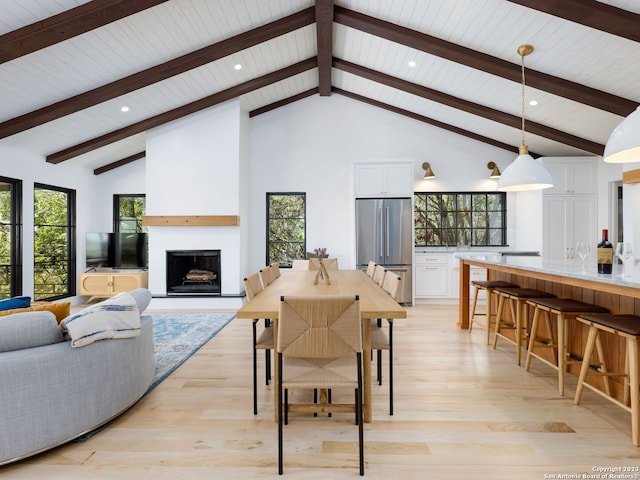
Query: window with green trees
pixel 10 237
pixel 53 242
pixel 128 211
pixel 286 227
pixel 462 218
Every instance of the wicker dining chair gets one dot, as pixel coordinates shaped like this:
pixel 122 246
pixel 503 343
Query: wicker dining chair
pixel 378 274
pixel 319 347
pixel 371 268
pixel 264 341
pixel 329 263
pixel 383 340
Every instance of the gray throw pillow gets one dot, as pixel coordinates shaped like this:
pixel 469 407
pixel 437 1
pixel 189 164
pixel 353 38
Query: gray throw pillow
pixel 142 296
pixel 28 330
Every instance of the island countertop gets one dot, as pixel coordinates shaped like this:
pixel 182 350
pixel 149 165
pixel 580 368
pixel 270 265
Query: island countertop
pixel 569 273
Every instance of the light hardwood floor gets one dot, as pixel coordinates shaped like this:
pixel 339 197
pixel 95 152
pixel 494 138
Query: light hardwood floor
pixel 462 410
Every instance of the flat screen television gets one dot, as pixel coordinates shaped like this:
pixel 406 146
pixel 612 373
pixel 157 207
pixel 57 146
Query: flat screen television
pixel 117 250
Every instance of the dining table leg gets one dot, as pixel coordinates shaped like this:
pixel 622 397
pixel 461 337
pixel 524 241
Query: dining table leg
pixel 366 370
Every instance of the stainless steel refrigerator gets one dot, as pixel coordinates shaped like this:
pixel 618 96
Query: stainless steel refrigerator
pixel 384 234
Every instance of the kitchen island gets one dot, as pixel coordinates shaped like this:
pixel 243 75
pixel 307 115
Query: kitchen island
pixel 565 279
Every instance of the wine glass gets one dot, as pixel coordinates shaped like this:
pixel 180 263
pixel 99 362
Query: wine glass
pixel 624 252
pixel 583 250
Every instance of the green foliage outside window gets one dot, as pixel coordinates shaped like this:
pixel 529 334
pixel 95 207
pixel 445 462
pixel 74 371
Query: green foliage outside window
pixel 129 210
pixel 286 228
pixel 54 228
pixel 460 219
pixel 6 240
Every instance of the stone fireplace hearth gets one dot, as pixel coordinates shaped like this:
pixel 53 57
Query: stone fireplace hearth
pixel 193 272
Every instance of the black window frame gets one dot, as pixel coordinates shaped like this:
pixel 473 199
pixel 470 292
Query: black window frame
pixel 70 227
pixel 14 227
pixel 466 208
pixel 117 219
pixel 269 241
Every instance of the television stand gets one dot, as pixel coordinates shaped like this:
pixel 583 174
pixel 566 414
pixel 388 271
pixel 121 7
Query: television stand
pixel 107 284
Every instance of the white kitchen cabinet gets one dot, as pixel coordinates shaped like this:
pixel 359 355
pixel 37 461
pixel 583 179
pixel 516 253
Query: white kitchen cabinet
pixel 431 275
pixel 475 274
pixel 567 220
pixel 571 176
pixel 383 179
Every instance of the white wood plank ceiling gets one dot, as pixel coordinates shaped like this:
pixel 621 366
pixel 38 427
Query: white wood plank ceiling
pixel 61 71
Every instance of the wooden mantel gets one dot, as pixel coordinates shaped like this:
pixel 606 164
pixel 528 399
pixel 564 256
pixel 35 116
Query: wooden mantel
pixel 191 220
pixel 631 176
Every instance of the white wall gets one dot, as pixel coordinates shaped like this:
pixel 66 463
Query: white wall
pixel 32 168
pixel 309 146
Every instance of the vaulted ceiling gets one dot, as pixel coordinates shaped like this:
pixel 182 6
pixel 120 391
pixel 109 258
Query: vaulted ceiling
pixel 67 67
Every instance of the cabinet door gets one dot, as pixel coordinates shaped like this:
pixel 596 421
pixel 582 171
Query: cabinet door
pixel 369 180
pixel 572 178
pixel 125 282
pixel 95 284
pixel 431 281
pixel 398 180
pixel 567 220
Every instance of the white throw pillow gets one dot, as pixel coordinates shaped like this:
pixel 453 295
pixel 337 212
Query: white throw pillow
pixel 117 317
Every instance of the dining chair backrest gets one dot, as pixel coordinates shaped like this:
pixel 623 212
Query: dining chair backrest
pixel 371 268
pixel 252 285
pixel 378 274
pixel 266 276
pixel 319 326
pixel 300 265
pixel 275 270
pixel 329 263
pixel 391 284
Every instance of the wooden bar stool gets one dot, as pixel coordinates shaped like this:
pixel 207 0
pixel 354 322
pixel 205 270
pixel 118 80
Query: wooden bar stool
pixel 517 298
pixel 627 327
pixel 489 286
pixel 564 309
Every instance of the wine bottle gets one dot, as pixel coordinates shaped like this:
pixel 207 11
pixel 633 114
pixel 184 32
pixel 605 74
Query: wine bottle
pixel 605 254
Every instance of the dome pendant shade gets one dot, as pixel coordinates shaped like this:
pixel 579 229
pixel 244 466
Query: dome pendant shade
pixel 524 173
pixel 623 145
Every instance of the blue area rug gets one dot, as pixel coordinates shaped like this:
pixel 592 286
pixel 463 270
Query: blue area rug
pixel 177 336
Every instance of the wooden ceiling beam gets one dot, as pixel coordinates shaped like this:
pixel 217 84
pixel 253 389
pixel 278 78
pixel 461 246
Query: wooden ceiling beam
pixel 283 102
pixel 430 121
pixel 469 107
pixel 158 73
pixel 176 113
pixel 119 163
pixel 324 34
pixel 482 61
pixel 68 24
pixel 590 13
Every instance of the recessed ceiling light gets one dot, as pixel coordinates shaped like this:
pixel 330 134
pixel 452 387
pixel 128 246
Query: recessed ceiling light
pixel 533 103
pixel 412 63
pixel 124 109
pixel 237 66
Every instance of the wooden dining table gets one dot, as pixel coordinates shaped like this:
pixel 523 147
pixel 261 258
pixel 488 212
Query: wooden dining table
pixel 374 303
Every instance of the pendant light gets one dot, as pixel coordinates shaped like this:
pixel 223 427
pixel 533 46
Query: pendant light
pixel 525 172
pixel 623 145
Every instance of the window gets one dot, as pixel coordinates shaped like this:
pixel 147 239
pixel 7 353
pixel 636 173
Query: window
pixel 54 236
pixel 127 213
pixel 286 227
pixel 10 237
pixel 475 218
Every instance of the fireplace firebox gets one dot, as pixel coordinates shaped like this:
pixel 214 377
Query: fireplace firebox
pixel 193 272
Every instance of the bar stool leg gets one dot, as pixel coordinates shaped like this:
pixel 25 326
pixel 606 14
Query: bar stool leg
pixel 532 338
pixel 489 308
pixel 632 355
pixel 588 350
pixel 498 320
pixel 473 306
pixel 562 352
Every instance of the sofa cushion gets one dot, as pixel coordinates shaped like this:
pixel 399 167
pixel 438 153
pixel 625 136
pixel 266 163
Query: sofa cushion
pixel 28 330
pixel 142 296
pixel 60 309
pixel 116 317
pixel 14 302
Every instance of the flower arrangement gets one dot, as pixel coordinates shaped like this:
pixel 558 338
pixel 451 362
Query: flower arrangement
pixel 321 252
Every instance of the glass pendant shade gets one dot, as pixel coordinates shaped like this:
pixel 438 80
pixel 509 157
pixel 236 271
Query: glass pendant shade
pixel 524 173
pixel 623 145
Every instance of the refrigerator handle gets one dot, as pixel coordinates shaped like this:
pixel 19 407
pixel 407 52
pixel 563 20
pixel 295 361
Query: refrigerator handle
pixel 381 235
pixel 386 231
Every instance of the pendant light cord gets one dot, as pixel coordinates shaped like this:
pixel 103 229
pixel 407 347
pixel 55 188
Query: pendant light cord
pixel 523 101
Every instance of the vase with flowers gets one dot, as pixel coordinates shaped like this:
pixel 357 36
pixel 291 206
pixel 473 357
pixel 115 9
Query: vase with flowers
pixel 322 273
